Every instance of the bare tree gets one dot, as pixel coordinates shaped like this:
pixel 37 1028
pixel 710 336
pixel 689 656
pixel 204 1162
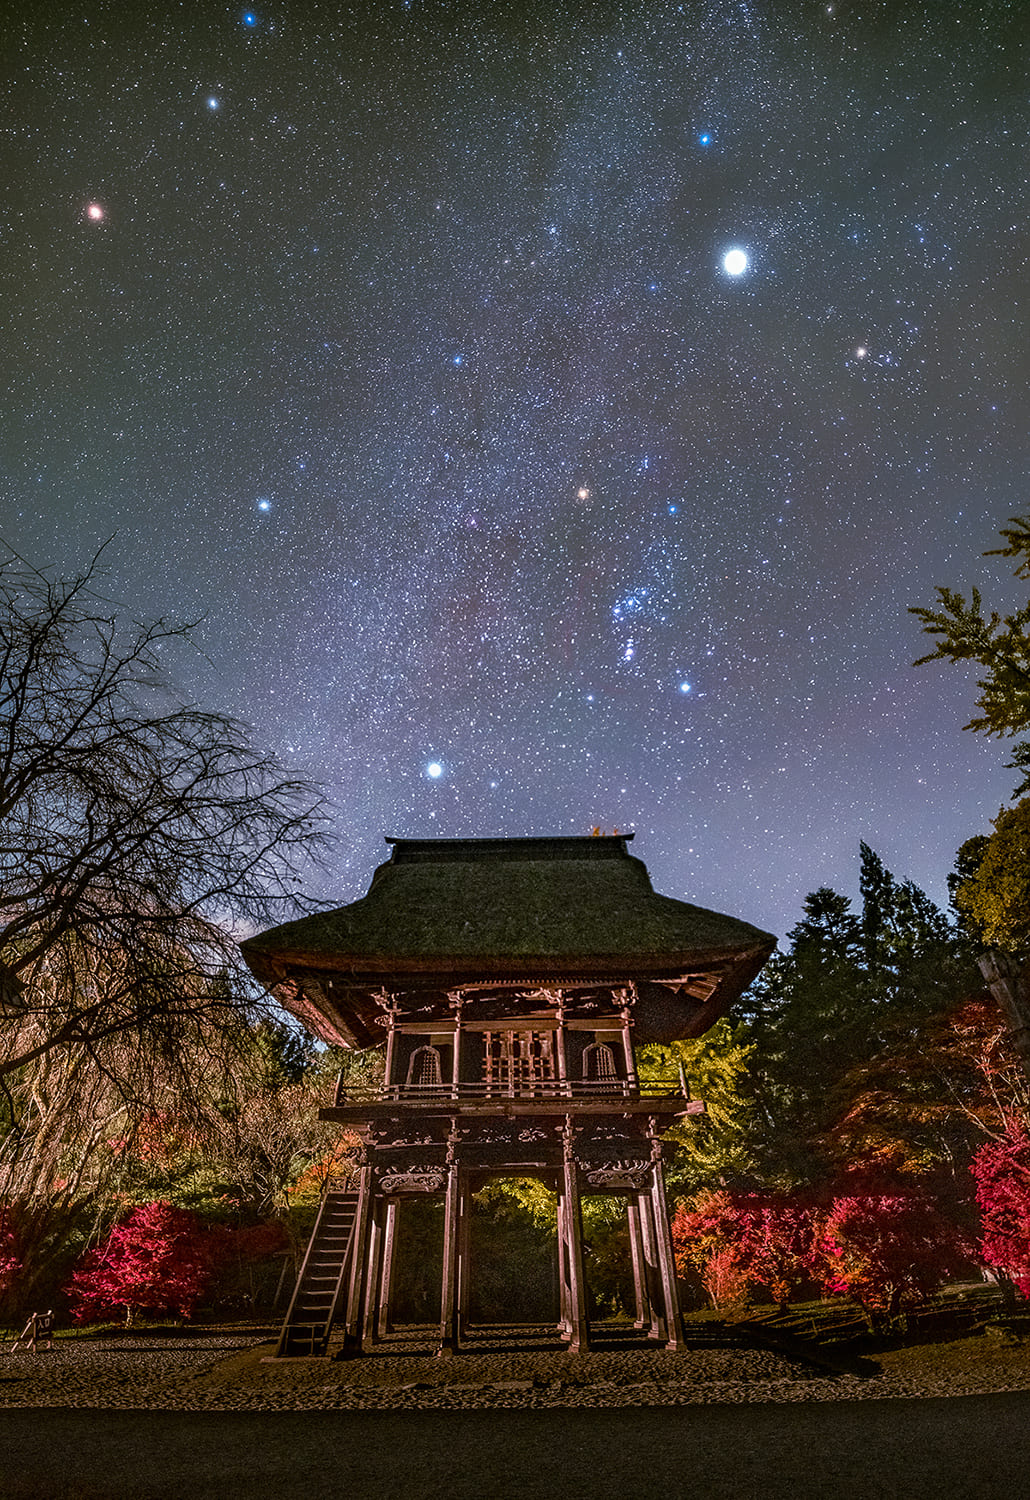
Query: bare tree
pixel 136 833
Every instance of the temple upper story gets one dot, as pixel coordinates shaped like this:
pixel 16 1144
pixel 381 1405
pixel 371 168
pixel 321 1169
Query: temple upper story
pixel 503 929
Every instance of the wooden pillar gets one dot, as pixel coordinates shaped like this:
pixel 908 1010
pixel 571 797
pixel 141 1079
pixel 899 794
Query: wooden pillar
pixel 564 1313
pixel 641 1301
pixel 652 1281
pixel 385 1324
pixel 559 1044
pixel 449 1280
pixel 370 1311
pixel 464 1254
pixel 666 1259
pixel 579 1332
pixel 627 1047
pixel 390 1081
pixel 355 1291
pixel 456 1002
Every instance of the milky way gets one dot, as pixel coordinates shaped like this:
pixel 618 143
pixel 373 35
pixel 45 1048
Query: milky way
pixel 551 410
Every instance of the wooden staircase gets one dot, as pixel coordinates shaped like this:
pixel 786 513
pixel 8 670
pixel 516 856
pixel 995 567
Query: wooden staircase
pixel 315 1298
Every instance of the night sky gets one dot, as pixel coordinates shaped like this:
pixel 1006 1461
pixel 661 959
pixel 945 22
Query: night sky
pixel 551 410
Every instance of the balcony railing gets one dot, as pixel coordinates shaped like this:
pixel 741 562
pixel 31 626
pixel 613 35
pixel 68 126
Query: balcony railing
pixel 540 1089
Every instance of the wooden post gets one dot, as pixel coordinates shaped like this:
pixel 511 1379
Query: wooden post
pixel 666 1259
pixel 352 1323
pixel 385 1324
pixel 627 1047
pixel 449 1281
pixel 456 1002
pixel 390 1081
pixel 464 1254
pixel 652 1281
pixel 559 1042
pixel 642 1305
pixel 579 1332
pixel 564 1315
pixel 375 1248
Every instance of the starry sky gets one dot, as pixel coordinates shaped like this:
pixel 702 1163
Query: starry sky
pixel 550 411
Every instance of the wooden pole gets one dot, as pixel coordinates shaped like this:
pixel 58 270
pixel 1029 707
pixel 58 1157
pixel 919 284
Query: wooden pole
pixel 352 1324
pixel 449 1281
pixel 564 1300
pixel 579 1340
pixel 375 1248
pixel 385 1324
pixel 464 1254
pixel 666 1259
pixel 642 1306
pixel 652 1281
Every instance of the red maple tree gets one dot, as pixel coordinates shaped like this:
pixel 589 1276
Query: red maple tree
pixel 159 1258
pixel 886 1244
pixel 1001 1169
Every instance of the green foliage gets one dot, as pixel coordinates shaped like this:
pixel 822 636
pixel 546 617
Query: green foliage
pixel 999 644
pixel 994 897
pixel 717 1145
pixel 829 1019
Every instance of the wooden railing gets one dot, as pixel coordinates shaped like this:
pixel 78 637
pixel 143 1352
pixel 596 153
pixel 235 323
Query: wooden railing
pixel 543 1089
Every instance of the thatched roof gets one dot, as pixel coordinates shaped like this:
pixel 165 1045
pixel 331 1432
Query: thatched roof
pixel 442 913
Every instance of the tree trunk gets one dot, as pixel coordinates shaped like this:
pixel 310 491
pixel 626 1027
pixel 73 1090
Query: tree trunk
pixel 1010 987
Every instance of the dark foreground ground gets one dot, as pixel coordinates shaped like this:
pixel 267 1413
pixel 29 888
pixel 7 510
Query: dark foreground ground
pixel 965 1448
pixel 201 1413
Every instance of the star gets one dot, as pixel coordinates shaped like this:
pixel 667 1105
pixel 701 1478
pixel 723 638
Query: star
pixel 434 770
pixel 264 505
pixel 735 262
pixel 213 102
pixel 95 212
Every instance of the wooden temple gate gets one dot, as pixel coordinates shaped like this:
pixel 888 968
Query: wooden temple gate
pixel 514 980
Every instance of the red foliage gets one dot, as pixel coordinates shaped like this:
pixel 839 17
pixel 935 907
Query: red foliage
pixel 1002 1172
pixel 887 1245
pixel 739 1241
pixel 10 1262
pixel 159 1258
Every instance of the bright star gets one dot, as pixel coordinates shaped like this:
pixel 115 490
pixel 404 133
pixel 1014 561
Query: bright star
pixel 582 493
pixel 249 18
pixel 457 359
pixel 95 212
pixel 264 504
pixel 684 687
pixel 212 103
pixel 705 140
pixel 734 262
pixel 434 770
pixel 861 353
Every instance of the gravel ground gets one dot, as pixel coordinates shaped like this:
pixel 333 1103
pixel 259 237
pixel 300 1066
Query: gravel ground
pixel 227 1370
pixel 158 1417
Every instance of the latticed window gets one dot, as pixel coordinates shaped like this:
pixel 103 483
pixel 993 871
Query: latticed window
pixel 599 1064
pixel 518 1062
pixel 424 1068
